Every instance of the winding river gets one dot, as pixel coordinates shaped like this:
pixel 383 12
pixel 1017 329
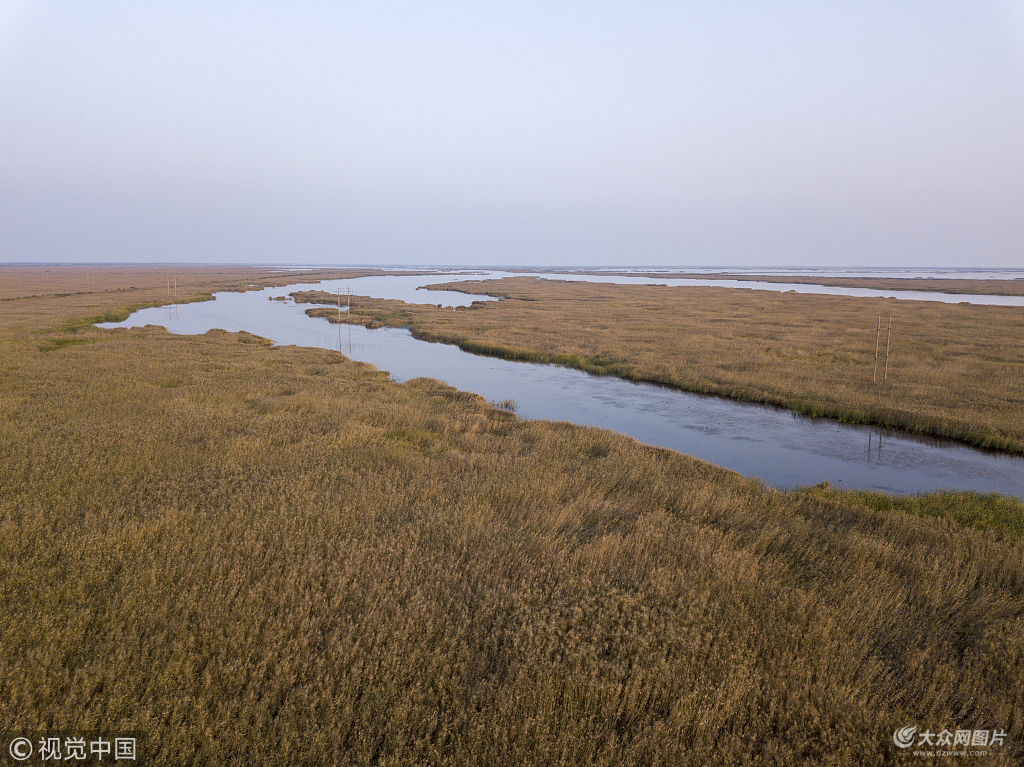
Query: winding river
pixel 783 449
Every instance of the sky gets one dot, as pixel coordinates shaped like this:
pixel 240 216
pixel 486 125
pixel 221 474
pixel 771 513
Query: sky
pixel 561 133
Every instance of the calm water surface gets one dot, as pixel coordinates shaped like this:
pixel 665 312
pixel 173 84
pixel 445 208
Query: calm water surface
pixel 785 287
pixel 972 273
pixel 405 288
pixel 782 449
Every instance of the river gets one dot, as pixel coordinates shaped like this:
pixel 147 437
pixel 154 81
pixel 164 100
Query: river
pixel 783 449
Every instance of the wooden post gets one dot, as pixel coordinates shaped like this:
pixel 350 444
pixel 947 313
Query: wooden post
pixel 168 287
pixel 888 335
pixel 175 287
pixel 874 373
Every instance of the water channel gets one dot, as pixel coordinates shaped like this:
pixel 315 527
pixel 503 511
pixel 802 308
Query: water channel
pixel 783 449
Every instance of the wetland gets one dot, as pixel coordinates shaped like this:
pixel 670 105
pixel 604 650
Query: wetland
pixel 231 548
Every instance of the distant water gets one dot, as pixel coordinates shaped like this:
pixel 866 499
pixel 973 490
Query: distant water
pixel 824 272
pixel 785 287
pixel 405 287
pixel 821 272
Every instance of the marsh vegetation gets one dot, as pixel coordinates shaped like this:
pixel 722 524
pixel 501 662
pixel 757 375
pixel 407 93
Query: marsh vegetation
pixel 251 554
pixel 954 371
pixel 953 285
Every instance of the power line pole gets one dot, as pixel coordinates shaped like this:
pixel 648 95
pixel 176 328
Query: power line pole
pixel 874 373
pixel 888 335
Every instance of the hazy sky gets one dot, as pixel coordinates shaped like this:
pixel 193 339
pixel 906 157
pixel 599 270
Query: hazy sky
pixel 637 133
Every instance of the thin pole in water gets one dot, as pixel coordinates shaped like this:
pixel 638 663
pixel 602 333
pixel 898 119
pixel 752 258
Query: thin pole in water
pixel 349 291
pixel 874 373
pixel 339 317
pixel 888 335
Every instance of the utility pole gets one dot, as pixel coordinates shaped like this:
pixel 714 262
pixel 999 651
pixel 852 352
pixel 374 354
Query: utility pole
pixel 888 335
pixel 874 372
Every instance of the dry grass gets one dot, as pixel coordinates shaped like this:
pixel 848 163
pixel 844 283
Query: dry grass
pixel 253 555
pixel 955 370
pixel 44 298
pixel 1013 287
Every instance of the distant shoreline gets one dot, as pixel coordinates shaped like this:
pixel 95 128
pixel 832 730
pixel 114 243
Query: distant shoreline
pixel 950 285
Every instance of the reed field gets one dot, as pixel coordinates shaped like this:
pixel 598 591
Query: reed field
pixel 1014 287
pixel 246 555
pixel 954 370
pixel 44 298
pixel 954 285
